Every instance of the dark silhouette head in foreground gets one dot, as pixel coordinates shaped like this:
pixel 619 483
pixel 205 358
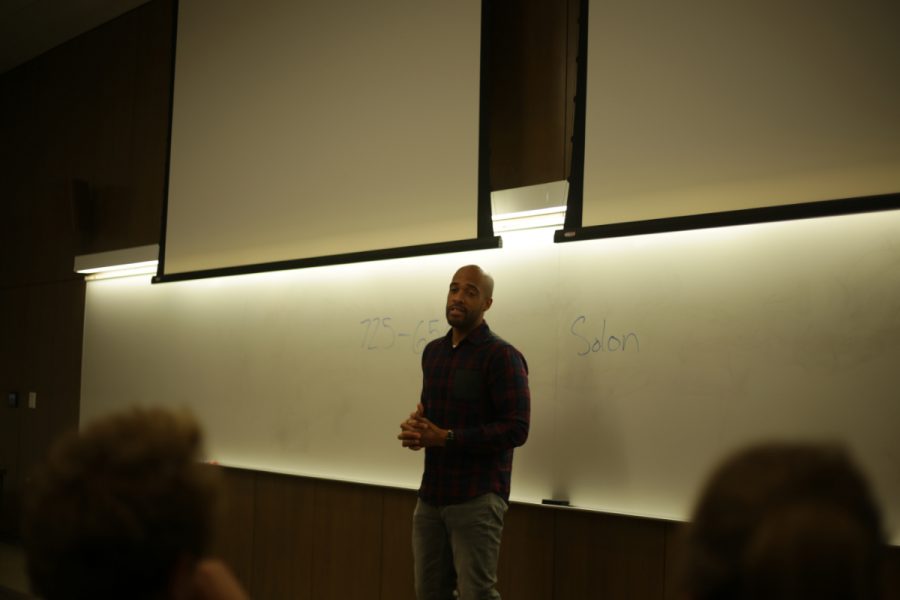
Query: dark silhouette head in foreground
pixel 125 509
pixel 785 521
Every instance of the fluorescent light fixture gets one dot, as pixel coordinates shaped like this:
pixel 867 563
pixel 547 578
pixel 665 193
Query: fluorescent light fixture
pixel 542 218
pixel 140 260
pixel 534 207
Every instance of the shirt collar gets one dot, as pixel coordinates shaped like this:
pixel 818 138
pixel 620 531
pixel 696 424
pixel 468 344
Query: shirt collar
pixel 479 335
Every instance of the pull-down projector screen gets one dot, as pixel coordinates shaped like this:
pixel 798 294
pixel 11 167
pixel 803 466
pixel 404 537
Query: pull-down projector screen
pixel 314 128
pixel 701 106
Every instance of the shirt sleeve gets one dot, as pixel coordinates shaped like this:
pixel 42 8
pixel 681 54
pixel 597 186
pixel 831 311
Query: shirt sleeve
pixel 510 399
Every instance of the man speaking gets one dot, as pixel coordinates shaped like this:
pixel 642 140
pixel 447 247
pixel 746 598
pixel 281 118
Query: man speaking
pixel 474 409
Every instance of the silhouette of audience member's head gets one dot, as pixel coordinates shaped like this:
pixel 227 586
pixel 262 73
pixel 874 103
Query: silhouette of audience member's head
pixel 785 521
pixel 125 509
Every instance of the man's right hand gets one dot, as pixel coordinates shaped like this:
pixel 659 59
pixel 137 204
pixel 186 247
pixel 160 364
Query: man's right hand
pixel 411 430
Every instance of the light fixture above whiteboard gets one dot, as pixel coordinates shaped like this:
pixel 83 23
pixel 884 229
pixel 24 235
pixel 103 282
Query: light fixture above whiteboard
pixel 138 260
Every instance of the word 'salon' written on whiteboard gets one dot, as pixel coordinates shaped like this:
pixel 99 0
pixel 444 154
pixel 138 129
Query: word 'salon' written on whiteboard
pixel 594 338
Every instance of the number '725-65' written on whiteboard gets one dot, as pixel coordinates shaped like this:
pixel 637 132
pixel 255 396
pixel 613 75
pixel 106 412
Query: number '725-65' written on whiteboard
pixel 383 333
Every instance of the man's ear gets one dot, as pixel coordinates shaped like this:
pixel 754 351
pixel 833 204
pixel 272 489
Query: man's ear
pixel 487 303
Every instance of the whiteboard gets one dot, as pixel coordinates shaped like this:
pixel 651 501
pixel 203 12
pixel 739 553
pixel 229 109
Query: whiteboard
pixel 650 357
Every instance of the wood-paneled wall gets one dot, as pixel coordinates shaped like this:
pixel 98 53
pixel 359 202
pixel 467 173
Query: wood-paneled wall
pixel 299 538
pixel 83 133
pixel 532 90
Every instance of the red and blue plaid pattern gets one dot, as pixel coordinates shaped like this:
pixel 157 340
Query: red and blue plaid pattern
pixel 480 391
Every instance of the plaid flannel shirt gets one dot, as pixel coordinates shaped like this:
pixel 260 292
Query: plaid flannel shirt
pixel 479 390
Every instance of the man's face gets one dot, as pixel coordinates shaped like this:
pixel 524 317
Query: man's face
pixel 467 300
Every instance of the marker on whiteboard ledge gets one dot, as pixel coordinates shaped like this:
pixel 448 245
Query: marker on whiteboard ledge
pixel 552 502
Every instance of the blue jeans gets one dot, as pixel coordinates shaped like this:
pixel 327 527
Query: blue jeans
pixel 456 548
